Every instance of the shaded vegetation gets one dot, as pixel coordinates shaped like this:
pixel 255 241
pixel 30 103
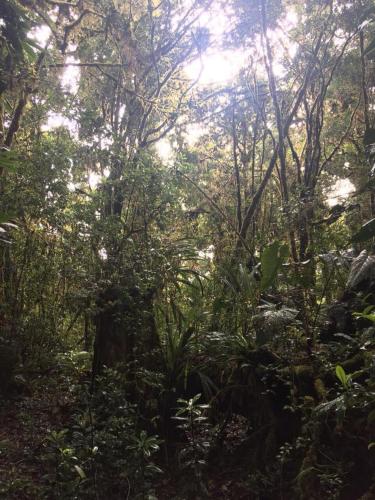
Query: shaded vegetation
pixel 197 324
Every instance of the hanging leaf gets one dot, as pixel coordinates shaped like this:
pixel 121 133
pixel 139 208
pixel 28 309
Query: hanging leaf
pixel 366 232
pixel 272 259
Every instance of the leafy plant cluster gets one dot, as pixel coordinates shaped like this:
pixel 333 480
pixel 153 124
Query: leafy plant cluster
pixel 104 451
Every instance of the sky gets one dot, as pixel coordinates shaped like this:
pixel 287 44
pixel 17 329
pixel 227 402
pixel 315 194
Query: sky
pixel 339 191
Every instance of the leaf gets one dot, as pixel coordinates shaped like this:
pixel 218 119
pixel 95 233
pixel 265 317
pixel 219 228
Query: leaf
pixel 371 445
pixel 341 375
pixel 80 471
pixel 272 259
pixel 9 224
pixel 27 47
pixel 344 336
pixel 306 472
pixel 370 317
pixel 337 404
pixel 366 232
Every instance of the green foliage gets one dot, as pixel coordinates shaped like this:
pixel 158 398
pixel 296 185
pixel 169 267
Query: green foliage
pixel 104 451
pixel 8 160
pixel 366 314
pixel 193 422
pixel 272 259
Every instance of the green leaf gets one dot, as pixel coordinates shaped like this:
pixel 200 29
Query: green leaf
pixel 366 232
pixel 370 316
pixel 341 375
pixel 272 259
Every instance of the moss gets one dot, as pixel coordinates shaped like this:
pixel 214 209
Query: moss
pixel 303 371
pixel 320 389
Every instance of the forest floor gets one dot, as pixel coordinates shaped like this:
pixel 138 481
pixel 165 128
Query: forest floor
pixel 27 419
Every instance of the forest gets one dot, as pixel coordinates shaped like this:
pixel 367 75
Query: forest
pixel 187 259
